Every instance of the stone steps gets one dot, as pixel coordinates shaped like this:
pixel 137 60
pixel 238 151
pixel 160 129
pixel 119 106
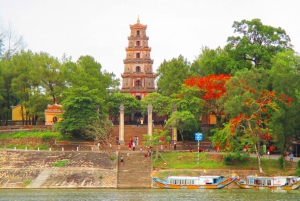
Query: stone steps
pixel 136 169
pixel 41 179
pixel 130 131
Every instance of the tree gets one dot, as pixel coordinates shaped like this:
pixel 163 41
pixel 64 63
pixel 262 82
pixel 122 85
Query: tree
pixel 183 121
pixel 80 111
pixel 211 89
pixel 212 61
pixel 10 43
pixel 131 104
pixel 171 75
pixel 162 105
pixel 257 44
pixel 250 107
pixel 101 129
pixel 48 71
pixel 189 99
pixel 160 137
pixel 285 79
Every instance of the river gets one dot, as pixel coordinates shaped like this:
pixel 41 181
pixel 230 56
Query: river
pixel 144 194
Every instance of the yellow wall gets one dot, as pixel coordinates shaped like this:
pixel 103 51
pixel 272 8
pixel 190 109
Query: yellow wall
pixel 17 112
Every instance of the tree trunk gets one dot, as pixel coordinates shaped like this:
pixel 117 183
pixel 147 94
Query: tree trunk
pixel 156 152
pixel 258 158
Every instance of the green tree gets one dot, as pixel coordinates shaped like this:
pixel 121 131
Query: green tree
pixel 182 121
pixel 250 106
pixel 156 140
pixel 80 111
pixel 131 104
pixel 212 61
pixel 171 75
pixel 256 44
pixel 285 79
pixel 189 99
pixel 162 105
pixel 48 71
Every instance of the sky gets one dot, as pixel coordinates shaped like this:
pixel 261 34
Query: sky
pixel 100 28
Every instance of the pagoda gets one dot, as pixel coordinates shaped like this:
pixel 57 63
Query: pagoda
pixel 138 77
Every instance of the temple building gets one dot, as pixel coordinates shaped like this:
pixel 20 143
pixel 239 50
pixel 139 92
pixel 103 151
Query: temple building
pixel 138 77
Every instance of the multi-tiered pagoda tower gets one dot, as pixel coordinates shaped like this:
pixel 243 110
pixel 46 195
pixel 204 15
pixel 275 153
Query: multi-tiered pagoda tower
pixel 138 77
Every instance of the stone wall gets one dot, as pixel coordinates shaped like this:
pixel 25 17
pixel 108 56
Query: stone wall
pixel 18 169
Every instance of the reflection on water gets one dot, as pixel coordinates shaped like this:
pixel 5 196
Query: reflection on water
pixel 144 194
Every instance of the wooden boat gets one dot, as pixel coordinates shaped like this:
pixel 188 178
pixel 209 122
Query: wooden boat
pixel 201 182
pixel 270 183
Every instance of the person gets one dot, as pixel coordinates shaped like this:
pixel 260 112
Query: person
pixel 136 140
pixel 142 122
pixel 127 156
pixel 137 122
pixel 174 145
pixel 291 157
pixel 129 146
pixel 191 148
pixel 122 160
pixel 110 146
pixel 141 150
pixel 119 147
pixel 133 146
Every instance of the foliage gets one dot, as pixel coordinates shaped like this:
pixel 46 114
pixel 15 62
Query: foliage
pixel 80 111
pixel 234 157
pixel 257 43
pixel 61 163
pixel 26 183
pixel 281 161
pixel 171 75
pixel 101 131
pixel 211 88
pixel 49 72
pixel 131 104
pixel 162 105
pixel 183 121
pixel 189 99
pixel 250 107
pixel 159 137
pixel 285 79
pixel 212 61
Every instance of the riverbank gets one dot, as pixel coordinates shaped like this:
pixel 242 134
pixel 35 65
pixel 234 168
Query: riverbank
pixel 90 169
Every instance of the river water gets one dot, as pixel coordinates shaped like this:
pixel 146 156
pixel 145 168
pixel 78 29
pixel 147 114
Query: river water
pixel 144 194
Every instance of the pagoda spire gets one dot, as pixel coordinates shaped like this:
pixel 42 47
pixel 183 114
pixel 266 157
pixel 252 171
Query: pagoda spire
pixel 138 19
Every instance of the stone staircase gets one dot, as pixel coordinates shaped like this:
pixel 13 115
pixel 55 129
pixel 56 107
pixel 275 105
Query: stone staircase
pixel 130 131
pixel 41 179
pixel 135 170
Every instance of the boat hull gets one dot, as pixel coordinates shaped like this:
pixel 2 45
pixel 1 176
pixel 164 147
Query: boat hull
pixel 260 187
pixel 220 185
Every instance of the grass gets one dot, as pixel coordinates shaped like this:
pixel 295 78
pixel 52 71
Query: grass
pixel 187 160
pixel 61 163
pixel 47 135
pixel 26 183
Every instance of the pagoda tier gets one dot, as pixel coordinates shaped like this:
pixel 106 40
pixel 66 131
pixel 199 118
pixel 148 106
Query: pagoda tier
pixel 138 77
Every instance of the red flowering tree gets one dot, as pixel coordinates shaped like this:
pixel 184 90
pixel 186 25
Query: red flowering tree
pixel 212 88
pixel 250 107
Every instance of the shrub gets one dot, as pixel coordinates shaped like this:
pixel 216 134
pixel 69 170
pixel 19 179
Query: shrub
pixel 230 158
pixel 281 161
pixel 227 159
pixel 26 183
pixel 60 163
